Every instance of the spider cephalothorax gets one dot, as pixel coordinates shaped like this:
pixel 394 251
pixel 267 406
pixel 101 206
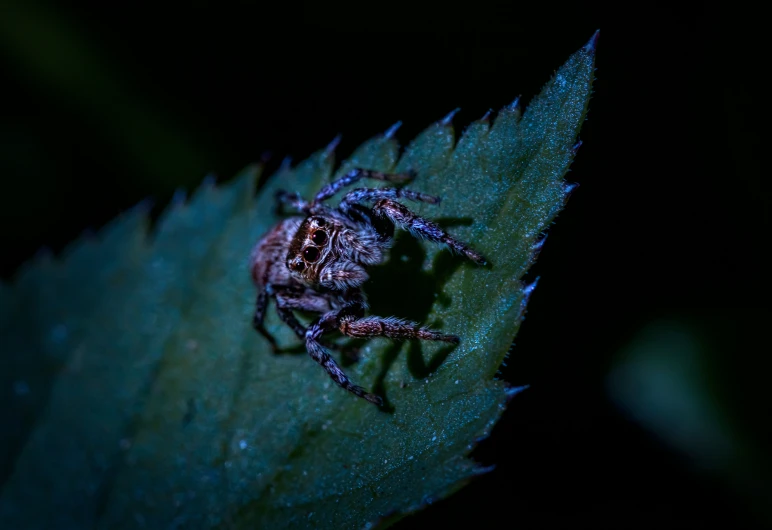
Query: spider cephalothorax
pixel 327 253
pixel 318 263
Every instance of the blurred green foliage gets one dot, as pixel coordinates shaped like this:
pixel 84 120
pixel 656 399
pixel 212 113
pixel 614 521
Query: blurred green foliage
pixel 672 380
pixel 53 52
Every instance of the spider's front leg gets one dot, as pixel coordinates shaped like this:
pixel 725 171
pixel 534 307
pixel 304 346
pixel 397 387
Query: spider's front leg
pixel 358 174
pixel 401 216
pixel 293 200
pixel 375 194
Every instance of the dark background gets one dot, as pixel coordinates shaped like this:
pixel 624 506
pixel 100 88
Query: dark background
pixel 105 106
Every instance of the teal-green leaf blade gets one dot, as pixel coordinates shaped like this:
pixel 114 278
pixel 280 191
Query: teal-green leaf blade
pixel 210 429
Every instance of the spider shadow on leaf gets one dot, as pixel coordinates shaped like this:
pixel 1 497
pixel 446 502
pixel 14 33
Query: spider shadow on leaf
pixel 402 288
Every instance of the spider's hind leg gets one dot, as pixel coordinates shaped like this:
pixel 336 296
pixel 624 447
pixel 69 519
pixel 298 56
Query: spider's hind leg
pixel 393 328
pixel 324 324
pixel 320 355
pixel 257 320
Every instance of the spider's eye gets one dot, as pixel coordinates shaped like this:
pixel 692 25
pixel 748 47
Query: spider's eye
pixel 319 237
pixel 320 221
pixel 297 265
pixel 311 254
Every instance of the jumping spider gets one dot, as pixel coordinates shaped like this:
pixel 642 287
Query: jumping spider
pixel 317 264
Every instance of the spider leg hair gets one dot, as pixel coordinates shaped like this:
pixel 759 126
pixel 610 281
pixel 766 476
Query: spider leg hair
pixel 365 327
pixel 260 306
pixel 373 194
pixel 357 174
pixel 288 317
pixel 343 275
pixel 363 246
pixel 393 328
pixel 420 227
pixel 322 356
pixel 287 303
pixel 293 200
pixel 257 321
pixel 306 301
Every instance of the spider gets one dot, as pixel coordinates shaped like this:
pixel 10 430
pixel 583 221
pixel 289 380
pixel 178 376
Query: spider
pixel 318 263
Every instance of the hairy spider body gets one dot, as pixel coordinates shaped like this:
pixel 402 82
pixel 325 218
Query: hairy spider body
pixel 317 263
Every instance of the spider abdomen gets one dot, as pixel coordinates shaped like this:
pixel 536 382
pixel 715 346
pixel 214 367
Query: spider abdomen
pixel 267 259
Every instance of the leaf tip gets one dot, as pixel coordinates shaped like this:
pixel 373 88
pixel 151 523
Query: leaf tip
pixel 391 130
pixel 209 181
pixel 484 470
pixel 576 146
pixel 330 149
pixel 447 120
pixel 487 116
pixel 286 164
pixel 568 189
pixel 512 391
pixel 144 206
pixel 88 233
pixel 43 253
pixel 265 157
pixel 536 248
pixel 592 43
pixel 179 197
pixel 515 105
pixel 527 292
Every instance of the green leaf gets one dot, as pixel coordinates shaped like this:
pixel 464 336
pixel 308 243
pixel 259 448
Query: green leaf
pixel 139 395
